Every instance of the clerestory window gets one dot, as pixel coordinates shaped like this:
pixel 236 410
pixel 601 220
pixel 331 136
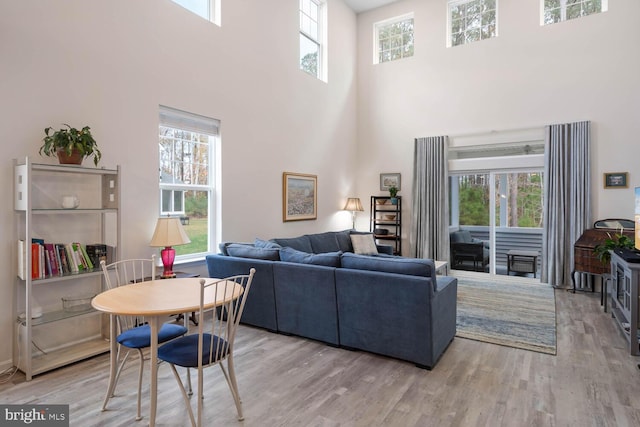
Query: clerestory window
pixel 312 37
pixel 553 11
pixel 471 20
pixel 393 39
pixel 207 9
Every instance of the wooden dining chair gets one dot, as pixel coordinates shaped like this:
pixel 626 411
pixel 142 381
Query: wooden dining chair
pixel 212 345
pixel 134 333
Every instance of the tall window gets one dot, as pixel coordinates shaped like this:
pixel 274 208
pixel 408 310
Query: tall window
pixel 393 39
pixel 187 146
pixel 471 20
pixel 312 36
pixel 208 9
pixel 561 10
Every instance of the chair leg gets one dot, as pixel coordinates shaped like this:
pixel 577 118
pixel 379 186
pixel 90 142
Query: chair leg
pixel 139 414
pixel 233 385
pixel 189 382
pixel 112 390
pixel 185 396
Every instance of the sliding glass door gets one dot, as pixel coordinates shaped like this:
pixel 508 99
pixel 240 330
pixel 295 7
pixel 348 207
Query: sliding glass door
pixel 499 209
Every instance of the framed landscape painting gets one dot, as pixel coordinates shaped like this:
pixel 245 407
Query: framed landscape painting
pixel 299 196
pixel 615 180
pixel 389 180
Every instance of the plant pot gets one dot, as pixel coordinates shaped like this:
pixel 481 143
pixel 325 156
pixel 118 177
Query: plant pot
pixel 394 200
pixel 65 159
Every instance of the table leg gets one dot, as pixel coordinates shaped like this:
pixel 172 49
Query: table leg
pixel 113 359
pixel 154 369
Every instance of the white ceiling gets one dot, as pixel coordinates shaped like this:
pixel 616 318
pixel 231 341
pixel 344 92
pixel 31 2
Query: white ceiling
pixel 364 5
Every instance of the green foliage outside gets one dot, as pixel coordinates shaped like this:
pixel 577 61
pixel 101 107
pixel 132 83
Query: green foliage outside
pixel 523 201
pixel 197 232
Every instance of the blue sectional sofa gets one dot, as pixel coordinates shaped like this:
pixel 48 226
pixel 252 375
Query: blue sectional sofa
pixel 315 286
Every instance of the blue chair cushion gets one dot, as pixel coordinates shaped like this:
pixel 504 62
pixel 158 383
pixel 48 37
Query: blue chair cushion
pixel 184 351
pixel 140 337
pixel 329 259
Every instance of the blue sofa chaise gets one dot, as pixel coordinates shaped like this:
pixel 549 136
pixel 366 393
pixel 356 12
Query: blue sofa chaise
pixel 315 286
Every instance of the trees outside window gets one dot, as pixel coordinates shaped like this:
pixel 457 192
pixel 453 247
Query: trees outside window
pixel 394 38
pixel 562 10
pixel 312 34
pixel 471 20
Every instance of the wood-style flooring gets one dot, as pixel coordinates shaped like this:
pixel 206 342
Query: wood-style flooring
pixel 291 381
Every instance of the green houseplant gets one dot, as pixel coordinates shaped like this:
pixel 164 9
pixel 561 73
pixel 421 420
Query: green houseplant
pixel 617 241
pixel 70 145
pixel 393 192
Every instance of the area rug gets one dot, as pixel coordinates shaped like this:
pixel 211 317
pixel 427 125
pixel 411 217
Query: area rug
pixel 510 311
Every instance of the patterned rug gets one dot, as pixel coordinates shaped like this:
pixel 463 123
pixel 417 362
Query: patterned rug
pixel 511 311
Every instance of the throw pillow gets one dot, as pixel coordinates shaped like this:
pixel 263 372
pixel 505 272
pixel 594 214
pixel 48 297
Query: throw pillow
pixel 329 259
pixel 246 251
pixel 364 244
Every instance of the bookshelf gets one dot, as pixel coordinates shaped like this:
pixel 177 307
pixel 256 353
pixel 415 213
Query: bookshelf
pixel 55 323
pixel 387 217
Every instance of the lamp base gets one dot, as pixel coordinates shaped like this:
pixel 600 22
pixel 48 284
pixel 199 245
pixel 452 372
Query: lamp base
pixel 168 254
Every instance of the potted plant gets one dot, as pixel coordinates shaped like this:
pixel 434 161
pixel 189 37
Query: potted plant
pixel 70 145
pixel 393 191
pixel 617 241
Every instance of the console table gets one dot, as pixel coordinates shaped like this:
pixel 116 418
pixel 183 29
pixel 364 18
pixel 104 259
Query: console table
pixel 522 261
pixel 624 299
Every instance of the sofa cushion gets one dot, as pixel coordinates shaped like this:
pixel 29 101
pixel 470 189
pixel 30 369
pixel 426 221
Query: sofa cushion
pixel 259 243
pixel 364 244
pixel 223 246
pixel 400 265
pixel 324 242
pixel 300 243
pixel 344 240
pixel 250 251
pixel 329 259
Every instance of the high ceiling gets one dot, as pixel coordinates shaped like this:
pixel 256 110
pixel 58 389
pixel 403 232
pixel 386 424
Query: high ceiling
pixel 364 5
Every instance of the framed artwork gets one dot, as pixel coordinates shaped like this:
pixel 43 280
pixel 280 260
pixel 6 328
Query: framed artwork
pixel 299 196
pixel 389 180
pixel 616 180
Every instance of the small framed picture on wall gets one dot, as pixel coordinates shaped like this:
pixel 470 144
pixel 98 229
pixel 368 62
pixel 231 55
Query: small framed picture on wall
pixel 388 180
pixel 616 180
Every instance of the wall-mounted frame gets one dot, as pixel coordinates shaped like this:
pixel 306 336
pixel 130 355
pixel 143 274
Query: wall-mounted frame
pixel 389 180
pixel 299 196
pixel 616 180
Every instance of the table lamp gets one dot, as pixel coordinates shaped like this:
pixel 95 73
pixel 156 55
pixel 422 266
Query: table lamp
pixel 353 205
pixel 169 232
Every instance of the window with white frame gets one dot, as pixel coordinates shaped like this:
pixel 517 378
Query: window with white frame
pixel 471 20
pixel 187 146
pixel 312 36
pixel 207 9
pixel 393 39
pixel 553 11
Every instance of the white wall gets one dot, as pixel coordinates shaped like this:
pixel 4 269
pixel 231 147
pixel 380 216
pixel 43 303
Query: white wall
pixel 109 64
pixel 529 76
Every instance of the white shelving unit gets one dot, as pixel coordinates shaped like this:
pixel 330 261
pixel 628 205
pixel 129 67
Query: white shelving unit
pixel 46 335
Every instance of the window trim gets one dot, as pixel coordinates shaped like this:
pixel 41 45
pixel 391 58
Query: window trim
pixel 376 35
pixel 451 3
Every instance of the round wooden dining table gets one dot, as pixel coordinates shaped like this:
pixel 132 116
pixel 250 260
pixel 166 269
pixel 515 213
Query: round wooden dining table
pixel 154 299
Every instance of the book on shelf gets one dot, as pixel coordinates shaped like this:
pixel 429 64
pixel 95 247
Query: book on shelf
pixel 22 260
pixel 97 252
pixel 50 257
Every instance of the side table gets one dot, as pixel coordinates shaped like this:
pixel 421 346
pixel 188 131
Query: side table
pixel 522 261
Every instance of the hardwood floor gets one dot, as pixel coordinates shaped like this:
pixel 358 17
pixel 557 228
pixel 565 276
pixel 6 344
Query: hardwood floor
pixel 290 381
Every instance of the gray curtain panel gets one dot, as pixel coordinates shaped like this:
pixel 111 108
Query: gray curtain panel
pixel 429 237
pixel 567 198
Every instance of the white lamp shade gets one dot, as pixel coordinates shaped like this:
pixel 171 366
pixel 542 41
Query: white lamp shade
pixel 353 204
pixel 169 232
